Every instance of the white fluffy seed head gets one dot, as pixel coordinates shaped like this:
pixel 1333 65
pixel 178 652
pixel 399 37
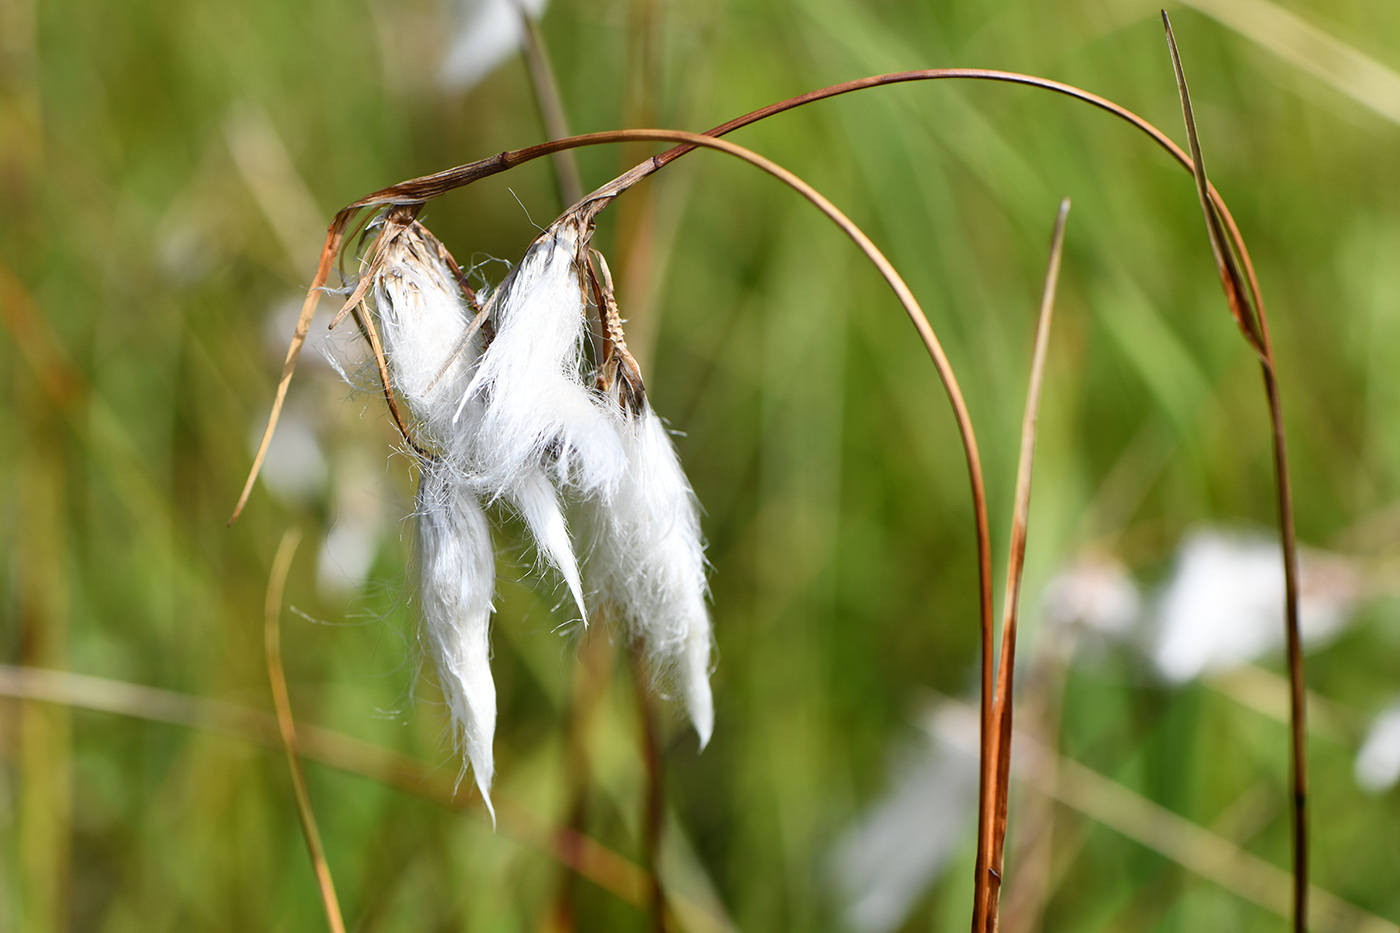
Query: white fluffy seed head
pixel 423 319
pixel 535 407
pixel 649 559
pixel 456 585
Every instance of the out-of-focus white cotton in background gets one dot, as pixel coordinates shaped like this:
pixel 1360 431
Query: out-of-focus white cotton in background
pixel 485 33
pixel 1223 605
pixel 1378 762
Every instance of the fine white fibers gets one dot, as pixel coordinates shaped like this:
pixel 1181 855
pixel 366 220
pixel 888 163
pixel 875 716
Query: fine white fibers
pixel 536 407
pixel 649 559
pixel 538 503
pixel 510 416
pixel 424 318
pixel 456 584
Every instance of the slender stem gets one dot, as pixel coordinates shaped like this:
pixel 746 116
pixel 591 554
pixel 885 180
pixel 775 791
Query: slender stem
pixel 286 726
pixel 1252 322
pixel 1296 680
pixel 591 677
pixel 1000 740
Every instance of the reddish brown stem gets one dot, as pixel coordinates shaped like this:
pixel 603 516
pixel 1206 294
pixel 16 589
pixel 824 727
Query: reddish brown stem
pixel 994 824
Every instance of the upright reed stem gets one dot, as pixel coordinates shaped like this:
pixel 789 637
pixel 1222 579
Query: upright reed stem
pixel 994 824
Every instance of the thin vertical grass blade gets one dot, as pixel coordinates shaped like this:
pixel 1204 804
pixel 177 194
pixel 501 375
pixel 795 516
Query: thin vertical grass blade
pixel 272 638
pixel 1231 280
pixel 1001 706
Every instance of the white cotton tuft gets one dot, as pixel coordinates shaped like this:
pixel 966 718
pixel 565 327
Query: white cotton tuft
pixel 538 504
pixel 650 560
pixel 1224 605
pixel 536 409
pixel 456 584
pixel 423 319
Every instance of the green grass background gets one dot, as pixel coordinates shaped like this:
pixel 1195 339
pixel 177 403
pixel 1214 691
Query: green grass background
pixel 142 262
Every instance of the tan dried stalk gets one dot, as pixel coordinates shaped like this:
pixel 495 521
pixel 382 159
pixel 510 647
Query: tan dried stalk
pixel 286 726
pixel 995 844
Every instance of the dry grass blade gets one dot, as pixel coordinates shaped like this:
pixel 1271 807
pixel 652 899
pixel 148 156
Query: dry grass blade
pixel 1236 293
pixel 308 310
pixel 996 746
pixel 335 236
pixel 286 726
pixel 1256 331
pixel 386 238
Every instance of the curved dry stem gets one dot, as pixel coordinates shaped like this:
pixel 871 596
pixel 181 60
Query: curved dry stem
pixel 420 190
pixel 1000 740
pixel 945 373
pixel 308 309
pixel 417 191
pixel 286 726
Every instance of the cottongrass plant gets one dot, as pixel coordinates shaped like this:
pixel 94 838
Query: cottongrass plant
pixel 535 427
